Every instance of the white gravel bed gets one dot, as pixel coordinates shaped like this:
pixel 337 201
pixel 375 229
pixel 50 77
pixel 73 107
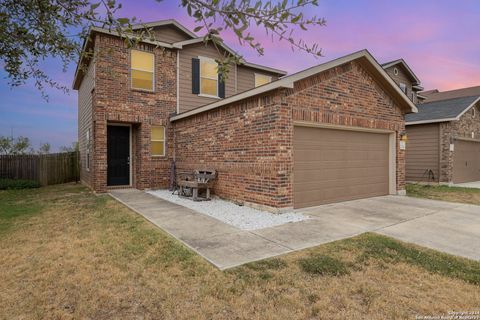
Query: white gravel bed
pixel 242 217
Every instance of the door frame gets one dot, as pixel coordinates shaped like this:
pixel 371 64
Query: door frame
pixel 392 146
pixel 130 166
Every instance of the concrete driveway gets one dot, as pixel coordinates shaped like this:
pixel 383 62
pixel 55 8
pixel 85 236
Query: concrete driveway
pixel 450 227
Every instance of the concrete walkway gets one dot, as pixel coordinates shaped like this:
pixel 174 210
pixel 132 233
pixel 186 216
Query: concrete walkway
pixel 449 227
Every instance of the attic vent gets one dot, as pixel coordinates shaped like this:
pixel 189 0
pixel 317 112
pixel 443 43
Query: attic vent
pixel 395 71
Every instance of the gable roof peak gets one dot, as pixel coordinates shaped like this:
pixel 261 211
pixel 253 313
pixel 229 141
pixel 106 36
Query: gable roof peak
pixel 165 22
pixel 402 62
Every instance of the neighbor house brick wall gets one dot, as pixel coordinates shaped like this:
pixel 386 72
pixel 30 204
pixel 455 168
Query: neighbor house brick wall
pixel 85 100
pixel 462 128
pixel 116 102
pixel 250 142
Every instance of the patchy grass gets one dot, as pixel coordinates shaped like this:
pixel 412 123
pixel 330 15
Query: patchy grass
pixel 68 254
pixel 445 193
pixel 324 265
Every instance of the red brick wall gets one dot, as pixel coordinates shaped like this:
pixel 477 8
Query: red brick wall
pixel 250 142
pixel 116 102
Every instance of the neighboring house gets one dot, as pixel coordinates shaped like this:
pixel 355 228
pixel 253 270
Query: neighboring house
pixel 404 77
pixel 444 139
pixel 435 95
pixel 326 134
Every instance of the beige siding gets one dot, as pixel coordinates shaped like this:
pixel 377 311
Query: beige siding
pixel 85 98
pixel 246 78
pixel 422 152
pixel 402 77
pixel 169 34
pixel 187 100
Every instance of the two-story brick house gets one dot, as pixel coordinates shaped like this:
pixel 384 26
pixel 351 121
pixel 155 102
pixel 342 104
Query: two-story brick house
pixel 325 134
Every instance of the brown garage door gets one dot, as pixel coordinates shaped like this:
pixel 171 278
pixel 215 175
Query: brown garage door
pixel 337 165
pixel 466 161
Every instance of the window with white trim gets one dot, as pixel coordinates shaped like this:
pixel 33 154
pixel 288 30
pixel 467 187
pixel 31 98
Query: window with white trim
pixel 403 87
pixel 158 141
pixel 474 112
pixel 261 79
pixel 142 70
pixel 208 77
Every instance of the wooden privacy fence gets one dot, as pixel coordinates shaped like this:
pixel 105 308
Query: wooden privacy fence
pixel 47 169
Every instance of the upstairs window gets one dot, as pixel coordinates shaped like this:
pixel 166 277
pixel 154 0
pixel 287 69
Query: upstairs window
pixel 208 77
pixel 261 79
pixel 142 70
pixel 403 87
pixel 158 141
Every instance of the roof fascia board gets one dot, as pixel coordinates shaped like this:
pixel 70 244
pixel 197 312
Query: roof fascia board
pixel 430 121
pixel 235 98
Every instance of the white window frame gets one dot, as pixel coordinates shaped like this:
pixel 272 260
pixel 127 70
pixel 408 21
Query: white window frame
pixel 200 75
pixel 153 140
pixel 132 68
pixel 263 75
pixel 404 89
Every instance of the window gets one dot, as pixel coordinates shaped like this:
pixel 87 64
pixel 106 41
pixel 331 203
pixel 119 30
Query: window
pixel 261 79
pixel 403 87
pixel 87 153
pixel 395 71
pixel 142 65
pixel 474 111
pixel 208 77
pixel 158 141
pixel 414 97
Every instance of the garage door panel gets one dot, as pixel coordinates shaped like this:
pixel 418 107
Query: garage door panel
pixel 345 185
pixel 334 173
pixel 338 165
pixel 466 161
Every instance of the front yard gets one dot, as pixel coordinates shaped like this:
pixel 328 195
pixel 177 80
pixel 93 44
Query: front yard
pixel 66 253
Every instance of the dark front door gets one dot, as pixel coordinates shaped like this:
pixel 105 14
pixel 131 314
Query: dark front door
pixel 118 155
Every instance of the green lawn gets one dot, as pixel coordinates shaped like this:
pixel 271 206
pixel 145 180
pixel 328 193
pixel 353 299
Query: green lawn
pixel 445 193
pixel 68 254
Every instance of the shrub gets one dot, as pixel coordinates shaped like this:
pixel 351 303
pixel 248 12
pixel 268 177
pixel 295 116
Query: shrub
pixel 323 265
pixel 13 184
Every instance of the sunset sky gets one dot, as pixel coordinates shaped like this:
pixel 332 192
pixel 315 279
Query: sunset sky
pixel 439 39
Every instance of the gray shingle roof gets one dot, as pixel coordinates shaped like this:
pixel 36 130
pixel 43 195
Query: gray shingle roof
pixel 444 109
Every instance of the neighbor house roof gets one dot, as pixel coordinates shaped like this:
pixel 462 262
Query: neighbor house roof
pixel 441 111
pixel 288 82
pixel 402 62
pixel 435 95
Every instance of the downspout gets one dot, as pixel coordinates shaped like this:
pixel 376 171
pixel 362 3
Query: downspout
pixel 173 167
pixel 178 81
